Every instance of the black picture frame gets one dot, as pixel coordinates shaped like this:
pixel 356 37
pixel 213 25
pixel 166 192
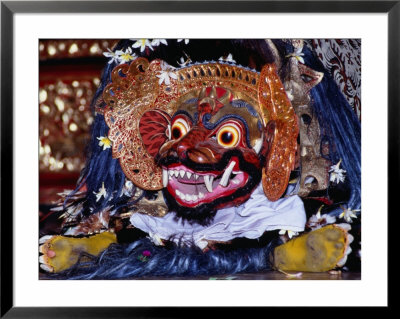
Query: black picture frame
pixel 9 8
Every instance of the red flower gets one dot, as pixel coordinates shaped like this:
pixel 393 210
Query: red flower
pixel 146 253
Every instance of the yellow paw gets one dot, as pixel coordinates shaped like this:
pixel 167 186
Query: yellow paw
pixel 60 252
pixel 320 250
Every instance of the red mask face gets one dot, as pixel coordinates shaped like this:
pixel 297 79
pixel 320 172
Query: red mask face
pixel 214 155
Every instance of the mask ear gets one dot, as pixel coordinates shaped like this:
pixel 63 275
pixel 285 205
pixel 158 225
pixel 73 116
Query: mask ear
pixel 283 142
pixel 269 134
pixel 154 127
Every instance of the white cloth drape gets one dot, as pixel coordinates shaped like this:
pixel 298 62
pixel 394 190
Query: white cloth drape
pixel 249 220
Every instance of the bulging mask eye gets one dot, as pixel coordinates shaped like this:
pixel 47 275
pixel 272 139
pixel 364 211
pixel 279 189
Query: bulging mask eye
pixel 179 128
pixel 228 135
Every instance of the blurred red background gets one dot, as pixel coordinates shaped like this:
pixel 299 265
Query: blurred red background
pixel 69 74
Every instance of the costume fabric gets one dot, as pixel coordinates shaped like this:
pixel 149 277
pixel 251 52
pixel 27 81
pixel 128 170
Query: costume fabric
pixel 250 220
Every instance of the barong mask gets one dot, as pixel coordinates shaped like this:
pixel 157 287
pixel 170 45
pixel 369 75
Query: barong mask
pixel 206 134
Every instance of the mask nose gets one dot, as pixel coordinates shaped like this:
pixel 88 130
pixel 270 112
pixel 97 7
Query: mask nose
pixel 190 146
pixel 190 141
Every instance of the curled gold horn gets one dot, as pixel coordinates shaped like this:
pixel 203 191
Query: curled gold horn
pixel 275 105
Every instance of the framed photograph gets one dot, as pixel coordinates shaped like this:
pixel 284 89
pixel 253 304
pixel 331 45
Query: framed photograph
pixel 256 138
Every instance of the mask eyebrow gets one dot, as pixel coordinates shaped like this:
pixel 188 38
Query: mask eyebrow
pixel 244 104
pixel 212 126
pixel 184 113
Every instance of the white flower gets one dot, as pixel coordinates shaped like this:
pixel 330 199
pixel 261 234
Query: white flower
pixel 104 141
pixel 290 233
pixel 101 193
pixel 337 174
pixel 186 40
pixel 125 56
pixel 165 77
pixel 297 54
pixel 157 42
pixel 142 44
pixel 166 74
pixel 113 55
pixel 317 221
pixel 127 190
pixel 348 214
pixel 229 58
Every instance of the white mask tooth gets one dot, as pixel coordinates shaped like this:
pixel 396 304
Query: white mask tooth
pixel 171 172
pixel 201 195
pixel 176 173
pixel 235 181
pixel 208 180
pixel 188 174
pixel 165 177
pixel 223 182
pixel 225 178
pixel 182 173
pixel 194 198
